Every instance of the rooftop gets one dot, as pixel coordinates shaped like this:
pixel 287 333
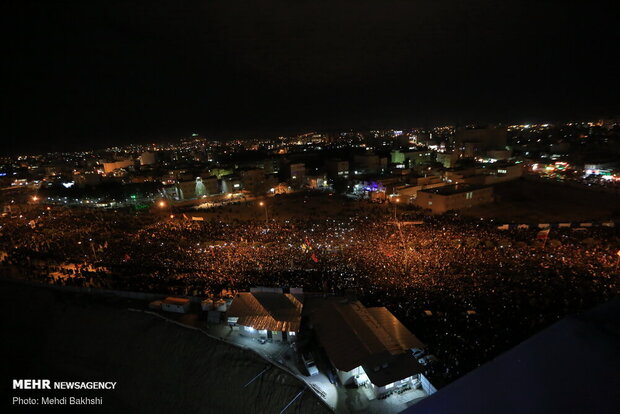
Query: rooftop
pixel 354 335
pixel 175 301
pixel 454 189
pixel 267 310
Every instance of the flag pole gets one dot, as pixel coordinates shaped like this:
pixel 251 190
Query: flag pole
pixel 546 237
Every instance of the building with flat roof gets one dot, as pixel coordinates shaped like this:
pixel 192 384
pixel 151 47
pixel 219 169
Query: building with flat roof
pixel 255 180
pixel 337 168
pixel 366 345
pixel 297 174
pixel 453 197
pixel 231 184
pixel 174 304
pixel 267 313
pixel 495 173
pixel 480 139
pixel 412 157
pixel 109 167
pixel 147 158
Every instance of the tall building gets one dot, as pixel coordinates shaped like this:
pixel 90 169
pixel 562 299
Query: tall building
pixel 297 173
pixel 337 168
pixel 481 139
pixel 369 164
pixel 254 180
pixel 147 158
pixel 200 189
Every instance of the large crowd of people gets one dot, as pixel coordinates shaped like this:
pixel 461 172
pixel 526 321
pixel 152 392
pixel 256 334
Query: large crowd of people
pixel 464 287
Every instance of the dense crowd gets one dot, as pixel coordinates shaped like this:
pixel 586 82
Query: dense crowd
pixel 464 287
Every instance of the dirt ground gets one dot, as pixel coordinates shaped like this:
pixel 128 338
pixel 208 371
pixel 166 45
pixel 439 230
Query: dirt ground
pixel 516 201
pixel 159 366
pixel 535 202
pixel 292 206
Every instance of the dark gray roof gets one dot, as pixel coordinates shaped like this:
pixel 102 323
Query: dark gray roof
pixel 398 367
pixel 395 328
pixel 353 336
pixel 570 367
pixel 454 189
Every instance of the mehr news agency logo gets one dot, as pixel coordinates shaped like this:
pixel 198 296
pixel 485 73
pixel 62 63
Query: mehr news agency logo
pixel 45 384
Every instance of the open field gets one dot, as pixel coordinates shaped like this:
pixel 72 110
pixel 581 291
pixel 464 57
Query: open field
pixel 522 200
pixel 537 202
pixel 292 206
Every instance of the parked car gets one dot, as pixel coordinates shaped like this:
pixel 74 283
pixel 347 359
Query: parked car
pixel 427 360
pixel 418 352
pixel 310 364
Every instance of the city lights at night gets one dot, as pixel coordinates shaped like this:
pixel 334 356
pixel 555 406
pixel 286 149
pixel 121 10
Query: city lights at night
pixel 375 207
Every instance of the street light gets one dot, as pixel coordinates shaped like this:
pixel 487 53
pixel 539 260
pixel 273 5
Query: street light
pixel 162 204
pixel 396 201
pixel 35 198
pixel 262 204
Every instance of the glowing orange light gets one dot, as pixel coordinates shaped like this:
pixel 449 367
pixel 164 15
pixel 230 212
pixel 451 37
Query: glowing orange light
pixel 162 204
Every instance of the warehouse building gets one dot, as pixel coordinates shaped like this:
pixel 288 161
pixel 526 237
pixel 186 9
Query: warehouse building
pixel 267 313
pixel 367 346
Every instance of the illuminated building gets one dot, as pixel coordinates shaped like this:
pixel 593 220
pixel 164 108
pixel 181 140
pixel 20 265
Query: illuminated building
pixel 109 167
pixel 453 197
pixel 367 345
pixel 255 180
pixel 147 158
pixel 411 158
pixel 297 173
pixel 231 184
pixel 267 313
pixel 447 159
pixel 494 174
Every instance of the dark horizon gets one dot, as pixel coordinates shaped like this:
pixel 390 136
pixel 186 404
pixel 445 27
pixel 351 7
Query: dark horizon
pixel 91 75
pixel 176 137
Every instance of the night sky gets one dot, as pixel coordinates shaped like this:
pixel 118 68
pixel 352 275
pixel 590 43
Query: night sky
pixel 86 74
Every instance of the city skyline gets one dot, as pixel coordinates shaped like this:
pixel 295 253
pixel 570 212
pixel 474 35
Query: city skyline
pixel 327 206
pixel 262 144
